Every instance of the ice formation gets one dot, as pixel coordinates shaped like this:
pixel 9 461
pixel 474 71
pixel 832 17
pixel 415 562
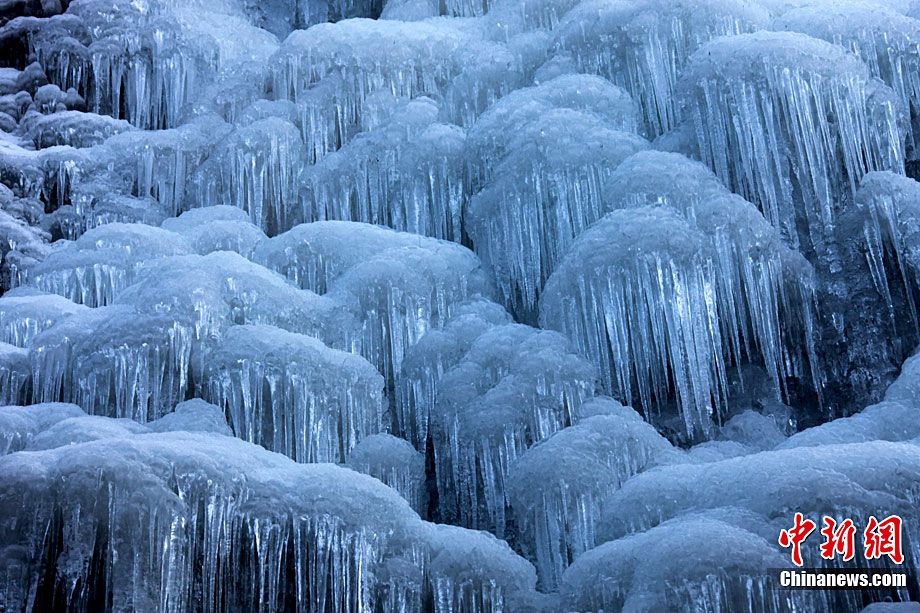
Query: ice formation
pixel 292 394
pixel 514 387
pixel 557 486
pixel 282 280
pixel 546 191
pixel 886 41
pixel 792 123
pixel 103 262
pixel 395 462
pixel 172 519
pixel 407 174
pixel 644 46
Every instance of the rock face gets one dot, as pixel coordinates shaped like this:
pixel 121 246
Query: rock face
pixel 343 305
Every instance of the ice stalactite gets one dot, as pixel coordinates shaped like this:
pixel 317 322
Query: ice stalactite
pixel 396 463
pixel 433 355
pixel 407 174
pixel 407 59
pixel 641 305
pixel 488 142
pixel 556 488
pixel 24 313
pixel 515 386
pixel 644 46
pixel 544 193
pixel 791 123
pixel 402 293
pixel 176 520
pixel 681 564
pixel 292 394
pixel 257 168
pixel 14 374
pixel 114 361
pixel 93 269
pixel 765 291
pixel 161 164
pixel 886 41
pixel 887 206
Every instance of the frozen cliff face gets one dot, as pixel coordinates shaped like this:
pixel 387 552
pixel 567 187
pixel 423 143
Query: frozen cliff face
pixel 613 288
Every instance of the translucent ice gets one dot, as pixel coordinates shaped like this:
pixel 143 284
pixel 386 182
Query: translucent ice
pixel 643 46
pixel 292 394
pixel 792 123
pixel 544 193
pixel 556 487
pixel 396 463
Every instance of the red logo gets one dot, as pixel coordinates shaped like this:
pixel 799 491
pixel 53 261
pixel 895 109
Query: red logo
pixel 796 535
pixel 883 538
pixel 880 538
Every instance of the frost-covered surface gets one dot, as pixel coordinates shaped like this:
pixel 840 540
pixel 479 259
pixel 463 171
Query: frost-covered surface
pixel 612 289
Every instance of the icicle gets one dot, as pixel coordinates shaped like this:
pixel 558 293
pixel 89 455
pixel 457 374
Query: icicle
pixel 556 488
pixel 761 107
pixel 426 362
pixel 515 387
pixel 644 46
pixel 257 168
pixel 887 206
pixel 764 290
pixel 642 306
pixel 544 194
pixel 292 394
pixel 407 174
pixel 887 42
pixel 14 374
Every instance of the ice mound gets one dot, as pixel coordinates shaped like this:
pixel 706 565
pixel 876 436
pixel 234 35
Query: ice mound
pixel 20 424
pixel 209 293
pixel 408 59
pixel 25 313
pixel 93 269
pixel 72 128
pixel 514 387
pixel 682 563
pixel 556 487
pixel 396 463
pixel 432 356
pixel 488 140
pixel 407 174
pixel 643 46
pixel 402 284
pixel 544 193
pixel 256 168
pixel 292 394
pixel 760 106
pixel 180 511
pixel 884 40
pixel 217 228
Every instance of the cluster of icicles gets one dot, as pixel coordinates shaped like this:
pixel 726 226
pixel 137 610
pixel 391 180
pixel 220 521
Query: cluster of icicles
pixel 277 301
